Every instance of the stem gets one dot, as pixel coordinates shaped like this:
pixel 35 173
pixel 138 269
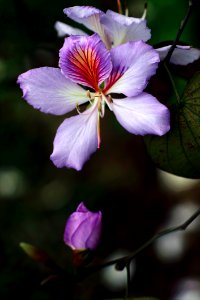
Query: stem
pixel 160 234
pixel 181 28
pixel 173 83
pixel 123 262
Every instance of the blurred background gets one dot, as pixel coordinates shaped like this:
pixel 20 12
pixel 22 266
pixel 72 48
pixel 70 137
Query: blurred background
pixel 137 200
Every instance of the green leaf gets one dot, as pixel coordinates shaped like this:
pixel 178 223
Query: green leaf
pixel 39 256
pixel 178 152
pixel 34 252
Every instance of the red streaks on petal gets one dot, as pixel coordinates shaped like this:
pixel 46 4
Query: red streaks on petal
pixel 111 80
pixel 86 62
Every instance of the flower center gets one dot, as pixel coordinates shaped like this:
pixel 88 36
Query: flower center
pixel 99 99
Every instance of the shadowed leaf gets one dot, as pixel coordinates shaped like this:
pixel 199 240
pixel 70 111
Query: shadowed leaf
pixel 39 256
pixel 178 151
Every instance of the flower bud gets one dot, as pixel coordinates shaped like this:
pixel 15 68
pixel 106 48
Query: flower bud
pixel 83 229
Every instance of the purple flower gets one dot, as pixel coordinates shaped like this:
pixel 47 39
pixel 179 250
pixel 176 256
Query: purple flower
pixel 116 29
pixel 113 28
pixel 182 55
pixel 84 60
pixel 83 229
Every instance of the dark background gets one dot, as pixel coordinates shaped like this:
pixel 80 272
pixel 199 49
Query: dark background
pixel 119 179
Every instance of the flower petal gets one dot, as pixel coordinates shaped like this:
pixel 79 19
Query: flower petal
pixel 133 64
pixel 83 228
pixel 122 29
pixel 89 16
pixel 87 234
pixel 93 239
pixel 142 115
pixel 82 232
pixel 48 90
pixel 76 139
pixel 82 208
pixel 182 55
pixel 85 60
pixel 84 15
pixel 71 237
pixel 122 19
pixel 64 29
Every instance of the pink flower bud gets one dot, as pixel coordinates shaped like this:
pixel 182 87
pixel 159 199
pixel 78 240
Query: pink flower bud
pixel 83 229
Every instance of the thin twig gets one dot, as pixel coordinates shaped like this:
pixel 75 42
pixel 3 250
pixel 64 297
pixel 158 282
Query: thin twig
pixel 181 227
pixel 172 83
pixel 181 28
pixel 123 262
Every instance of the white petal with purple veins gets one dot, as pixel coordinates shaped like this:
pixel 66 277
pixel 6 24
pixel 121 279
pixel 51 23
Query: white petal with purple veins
pixel 90 17
pixel 122 33
pixel 122 19
pixel 142 115
pixel 133 64
pixel 48 90
pixel 64 29
pixel 76 139
pixel 182 55
pixel 82 14
pixel 138 31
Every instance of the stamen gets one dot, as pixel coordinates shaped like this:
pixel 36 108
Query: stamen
pixel 91 102
pixel 102 109
pixel 78 108
pixel 110 99
pixel 88 94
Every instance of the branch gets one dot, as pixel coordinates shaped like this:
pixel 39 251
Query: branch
pixel 181 28
pixel 123 262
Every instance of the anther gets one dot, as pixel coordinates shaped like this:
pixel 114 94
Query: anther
pixel 110 99
pixel 88 94
pixel 78 108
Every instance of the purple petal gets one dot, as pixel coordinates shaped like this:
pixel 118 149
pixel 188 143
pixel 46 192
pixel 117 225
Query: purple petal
pixel 76 139
pixel 83 228
pixel 64 29
pixel 133 64
pixel 93 239
pixel 142 115
pixel 83 14
pixel 82 208
pixel 82 232
pixel 90 17
pixel 49 91
pixel 85 60
pixel 122 19
pixel 122 29
pixel 73 223
pixel 182 55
